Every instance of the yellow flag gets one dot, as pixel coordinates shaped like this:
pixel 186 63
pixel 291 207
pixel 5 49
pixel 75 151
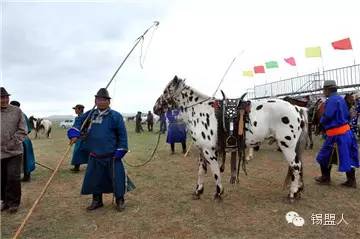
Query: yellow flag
pixel 313 51
pixel 248 73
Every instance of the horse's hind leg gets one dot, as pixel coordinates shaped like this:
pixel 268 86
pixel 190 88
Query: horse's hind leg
pixel 294 173
pixel 233 168
pixel 200 183
pixel 48 133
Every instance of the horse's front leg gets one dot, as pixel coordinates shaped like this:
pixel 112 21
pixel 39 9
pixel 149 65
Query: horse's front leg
pixel 211 159
pixel 200 182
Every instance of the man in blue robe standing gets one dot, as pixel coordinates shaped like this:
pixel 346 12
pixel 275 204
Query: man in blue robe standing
pixel 340 145
pixel 176 130
pixel 28 153
pixel 106 141
pixel 80 155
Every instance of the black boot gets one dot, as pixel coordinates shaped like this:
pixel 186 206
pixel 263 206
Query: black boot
pixel 26 178
pixel 76 168
pixel 120 204
pixel 172 146
pixel 96 202
pixel 351 180
pixel 183 144
pixel 324 179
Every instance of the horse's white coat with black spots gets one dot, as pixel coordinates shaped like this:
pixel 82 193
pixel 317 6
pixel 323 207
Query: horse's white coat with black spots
pixel 275 118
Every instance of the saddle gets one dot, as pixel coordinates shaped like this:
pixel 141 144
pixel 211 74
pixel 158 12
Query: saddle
pixel 232 115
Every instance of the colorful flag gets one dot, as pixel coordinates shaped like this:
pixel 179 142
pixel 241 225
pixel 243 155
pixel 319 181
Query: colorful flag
pixel 344 44
pixel 271 64
pixel 259 69
pixel 290 61
pixel 248 73
pixel 313 51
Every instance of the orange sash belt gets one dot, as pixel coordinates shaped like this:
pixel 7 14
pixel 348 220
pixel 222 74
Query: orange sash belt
pixel 338 131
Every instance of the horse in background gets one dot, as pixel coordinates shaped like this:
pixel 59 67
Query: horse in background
pixel 41 126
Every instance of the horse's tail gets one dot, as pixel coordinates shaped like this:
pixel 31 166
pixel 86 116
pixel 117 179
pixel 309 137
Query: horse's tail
pixel 299 149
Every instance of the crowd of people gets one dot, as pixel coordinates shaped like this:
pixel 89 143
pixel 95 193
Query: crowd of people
pixel 100 140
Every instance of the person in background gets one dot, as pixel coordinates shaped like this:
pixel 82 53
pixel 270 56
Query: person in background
pixel 163 123
pixel 150 121
pixel 138 126
pixel 80 155
pixel 176 130
pixel 28 153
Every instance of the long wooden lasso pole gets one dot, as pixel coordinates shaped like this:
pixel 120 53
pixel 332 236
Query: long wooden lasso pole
pixel 41 194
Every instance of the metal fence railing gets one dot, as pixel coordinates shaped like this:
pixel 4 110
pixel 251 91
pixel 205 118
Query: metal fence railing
pixel 345 77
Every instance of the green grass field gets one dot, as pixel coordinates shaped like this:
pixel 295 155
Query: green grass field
pixel 162 207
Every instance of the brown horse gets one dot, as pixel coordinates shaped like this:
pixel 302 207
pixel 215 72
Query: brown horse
pixel 314 114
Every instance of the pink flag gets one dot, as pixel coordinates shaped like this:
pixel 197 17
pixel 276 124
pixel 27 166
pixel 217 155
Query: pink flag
pixel 290 61
pixel 344 44
pixel 259 69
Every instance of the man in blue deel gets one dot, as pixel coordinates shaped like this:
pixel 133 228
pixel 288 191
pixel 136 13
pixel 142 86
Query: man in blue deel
pixel 106 141
pixel 80 155
pixel 340 146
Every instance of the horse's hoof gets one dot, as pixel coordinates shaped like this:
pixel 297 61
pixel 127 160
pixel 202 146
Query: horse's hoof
pixel 222 169
pixel 237 180
pixel 217 197
pixel 297 195
pixel 195 196
pixel 232 180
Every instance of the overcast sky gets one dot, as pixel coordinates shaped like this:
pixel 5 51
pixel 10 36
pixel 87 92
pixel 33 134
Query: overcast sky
pixel 55 54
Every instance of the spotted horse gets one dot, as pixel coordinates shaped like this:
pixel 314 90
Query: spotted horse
pixel 277 118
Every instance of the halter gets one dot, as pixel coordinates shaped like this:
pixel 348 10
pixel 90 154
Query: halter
pixel 173 96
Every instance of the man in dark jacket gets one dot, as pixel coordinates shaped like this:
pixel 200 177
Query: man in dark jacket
pixel 28 155
pixel 150 121
pixel 13 134
pixel 106 142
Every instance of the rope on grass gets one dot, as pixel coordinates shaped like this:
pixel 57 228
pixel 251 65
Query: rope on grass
pixel 150 158
pixel 18 231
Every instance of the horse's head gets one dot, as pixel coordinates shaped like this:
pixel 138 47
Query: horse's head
pixel 33 121
pixel 169 97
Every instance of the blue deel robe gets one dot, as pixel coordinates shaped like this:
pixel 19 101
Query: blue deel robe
pixel 80 154
pixel 28 157
pixel 176 129
pixel 105 134
pixel 344 146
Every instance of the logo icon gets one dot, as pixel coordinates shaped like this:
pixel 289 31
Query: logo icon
pixel 295 219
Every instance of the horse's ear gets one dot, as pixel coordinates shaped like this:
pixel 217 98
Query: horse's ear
pixel 243 96
pixel 176 79
pixel 223 94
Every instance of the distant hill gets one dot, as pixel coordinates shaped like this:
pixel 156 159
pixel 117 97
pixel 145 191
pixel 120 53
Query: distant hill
pixel 59 117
